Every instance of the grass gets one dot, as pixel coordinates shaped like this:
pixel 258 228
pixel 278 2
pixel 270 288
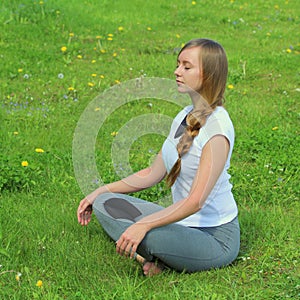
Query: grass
pixel 44 91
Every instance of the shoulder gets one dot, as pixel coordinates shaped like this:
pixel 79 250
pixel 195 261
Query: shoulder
pixel 218 123
pixel 219 116
pixel 180 116
pixel 184 112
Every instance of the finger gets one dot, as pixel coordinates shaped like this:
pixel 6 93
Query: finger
pixel 133 251
pixel 128 250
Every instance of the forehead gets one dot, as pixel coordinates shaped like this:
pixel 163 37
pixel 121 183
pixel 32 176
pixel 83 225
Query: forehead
pixel 190 55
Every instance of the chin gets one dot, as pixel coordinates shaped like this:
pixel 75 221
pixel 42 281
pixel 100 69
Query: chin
pixel 182 89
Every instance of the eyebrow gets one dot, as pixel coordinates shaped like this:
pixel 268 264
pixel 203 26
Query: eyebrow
pixel 184 61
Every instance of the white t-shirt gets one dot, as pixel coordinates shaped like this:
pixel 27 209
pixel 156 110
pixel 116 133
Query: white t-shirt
pixel 219 207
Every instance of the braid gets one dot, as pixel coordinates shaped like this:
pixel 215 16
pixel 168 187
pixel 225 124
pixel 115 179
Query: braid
pixel 195 120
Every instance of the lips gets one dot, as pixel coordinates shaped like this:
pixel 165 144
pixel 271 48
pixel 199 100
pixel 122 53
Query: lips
pixel 179 82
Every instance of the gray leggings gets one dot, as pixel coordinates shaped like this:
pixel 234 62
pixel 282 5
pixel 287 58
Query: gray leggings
pixel 178 247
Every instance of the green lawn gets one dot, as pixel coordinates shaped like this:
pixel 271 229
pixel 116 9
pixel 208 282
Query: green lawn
pixel 59 57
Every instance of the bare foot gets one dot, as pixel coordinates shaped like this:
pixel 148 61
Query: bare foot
pixel 151 268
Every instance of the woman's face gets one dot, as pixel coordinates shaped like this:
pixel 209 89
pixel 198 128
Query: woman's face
pixel 188 73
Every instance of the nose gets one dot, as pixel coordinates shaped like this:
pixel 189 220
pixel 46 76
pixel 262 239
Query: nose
pixel 177 71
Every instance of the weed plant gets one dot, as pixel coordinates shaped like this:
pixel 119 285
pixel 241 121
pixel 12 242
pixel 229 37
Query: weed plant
pixel 56 56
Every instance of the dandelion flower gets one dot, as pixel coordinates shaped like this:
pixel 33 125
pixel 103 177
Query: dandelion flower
pixel 20 70
pixel 18 276
pixel 114 133
pixel 109 38
pixel 149 28
pixel 102 76
pixel 193 2
pixel 63 49
pixel 102 51
pixel 120 28
pixel 90 84
pixel 39 150
pixel 97 109
pixel 39 283
pixel 110 35
pixel 41 2
pixel 98 37
pixel 115 54
pixel 16 132
pixel 230 86
pixel 288 50
pixel 178 36
pixel 79 56
pixel 93 61
pixel 24 163
pixel 60 75
pixel 71 34
pixel 275 128
pixel 93 75
pixel 117 81
pixel 71 89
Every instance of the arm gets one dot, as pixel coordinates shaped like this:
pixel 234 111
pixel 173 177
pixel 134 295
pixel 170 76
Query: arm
pixel 212 162
pixel 136 182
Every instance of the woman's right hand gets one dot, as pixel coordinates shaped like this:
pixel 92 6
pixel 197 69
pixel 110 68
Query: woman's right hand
pixel 84 212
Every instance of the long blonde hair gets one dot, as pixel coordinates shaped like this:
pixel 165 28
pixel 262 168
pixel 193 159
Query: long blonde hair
pixel 214 70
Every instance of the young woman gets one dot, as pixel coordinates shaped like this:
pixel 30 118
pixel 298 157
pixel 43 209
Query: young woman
pixel 200 230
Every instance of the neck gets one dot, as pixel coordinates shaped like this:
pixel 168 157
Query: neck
pixel 199 102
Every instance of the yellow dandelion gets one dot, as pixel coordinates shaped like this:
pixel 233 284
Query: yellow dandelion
pixel 178 36
pixel 114 133
pixel 276 6
pixel 117 81
pixel 93 61
pixel 97 109
pixel 109 38
pixel 16 132
pixel 71 34
pixel 268 34
pixel 102 51
pixel 63 49
pixel 98 37
pixel 17 277
pixel 120 28
pixel 79 56
pixel 39 150
pixel 110 35
pixel 20 70
pixel 41 2
pixel 39 283
pixel 91 84
pixel 24 163
pixel 71 89
pixel 115 54
pixel 94 75
pixel 149 28
pixel 275 128
pixel 193 2
pixel 288 50
pixel 230 86
pixel 57 12
pixel 102 76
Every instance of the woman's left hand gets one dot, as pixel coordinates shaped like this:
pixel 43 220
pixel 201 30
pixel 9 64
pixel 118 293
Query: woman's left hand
pixel 130 239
